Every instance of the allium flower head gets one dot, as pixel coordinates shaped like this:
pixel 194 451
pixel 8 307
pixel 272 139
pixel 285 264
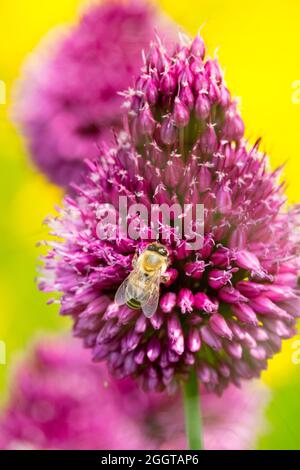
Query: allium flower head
pixel 182 98
pixel 226 306
pixel 60 400
pixel 68 99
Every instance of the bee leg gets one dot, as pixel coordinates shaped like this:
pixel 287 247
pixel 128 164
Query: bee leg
pixel 134 260
pixel 165 278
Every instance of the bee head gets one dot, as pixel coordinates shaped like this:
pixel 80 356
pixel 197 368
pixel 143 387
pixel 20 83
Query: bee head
pixel 158 248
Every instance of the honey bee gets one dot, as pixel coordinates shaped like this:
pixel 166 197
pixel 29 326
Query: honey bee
pixel 141 288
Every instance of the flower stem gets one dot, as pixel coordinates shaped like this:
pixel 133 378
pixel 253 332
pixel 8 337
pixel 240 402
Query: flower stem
pixel 193 424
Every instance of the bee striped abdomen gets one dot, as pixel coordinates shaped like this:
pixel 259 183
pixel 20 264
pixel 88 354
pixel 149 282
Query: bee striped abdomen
pixel 134 304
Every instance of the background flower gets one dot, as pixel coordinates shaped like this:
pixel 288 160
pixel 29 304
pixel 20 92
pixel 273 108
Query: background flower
pixel 67 102
pixel 57 386
pixel 228 305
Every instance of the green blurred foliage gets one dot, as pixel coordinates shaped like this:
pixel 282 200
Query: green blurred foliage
pixel 24 312
pixel 283 416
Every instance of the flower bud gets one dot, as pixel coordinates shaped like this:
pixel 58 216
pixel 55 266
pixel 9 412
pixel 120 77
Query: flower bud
pixel 231 295
pixel 198 47
pixel 208 141
pixel 203 302
pixel 185 300
pixel 146 122
pixel 195 270
pixel 202 107
pixel 238 238
pixel 153 349
pixel 247 260
pixel 186 96
pixel 245 313
pixel 194 340
pixel 168 302
pixel 168 83
pixel 181 114
pixel 151 92
pixel 250 289
pixel 210 338
pixel 234 127
pixel 218 278
pixel 219 326
pixel 168 131
pixel 205 178
pixel 234 349
pixel 224 202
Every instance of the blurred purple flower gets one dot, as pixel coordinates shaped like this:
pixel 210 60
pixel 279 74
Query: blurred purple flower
pixel 60 400
pixel 228 305
pixel 67 101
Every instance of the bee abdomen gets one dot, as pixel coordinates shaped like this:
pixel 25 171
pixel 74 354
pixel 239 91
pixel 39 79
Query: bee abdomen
pixel 134 304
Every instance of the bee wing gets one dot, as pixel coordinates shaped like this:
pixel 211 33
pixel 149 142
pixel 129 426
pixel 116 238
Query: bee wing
pixel 150 306
pixel 120 296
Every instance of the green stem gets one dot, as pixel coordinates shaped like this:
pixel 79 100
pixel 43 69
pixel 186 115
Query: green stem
pixel 193 424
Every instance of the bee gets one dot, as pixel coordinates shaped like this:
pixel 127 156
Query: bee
pixel 141 288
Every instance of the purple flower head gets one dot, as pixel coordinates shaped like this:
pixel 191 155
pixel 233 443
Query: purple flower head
pixel 182 98
pixel 227 305
pixel 60 400
pixel 68 99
